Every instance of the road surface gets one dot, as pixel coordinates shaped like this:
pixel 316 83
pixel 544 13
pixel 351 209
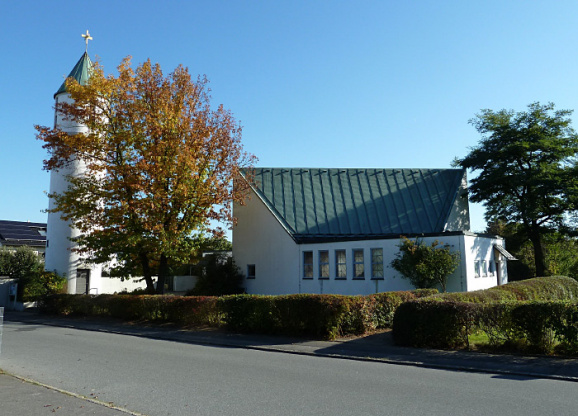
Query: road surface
pixel 156 377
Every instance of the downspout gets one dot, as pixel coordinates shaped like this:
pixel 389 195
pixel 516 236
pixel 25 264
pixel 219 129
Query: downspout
pixel 299 258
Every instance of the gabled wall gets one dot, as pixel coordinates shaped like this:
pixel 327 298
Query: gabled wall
pixel 485 267
pixel 260 240
pixel 459 218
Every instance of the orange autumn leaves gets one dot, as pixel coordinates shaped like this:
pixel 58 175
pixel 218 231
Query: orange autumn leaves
pixel 160 161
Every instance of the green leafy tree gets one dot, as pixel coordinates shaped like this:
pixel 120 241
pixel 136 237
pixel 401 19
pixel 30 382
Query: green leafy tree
pixel 22 264
pixel 425 266
pixel 527 171
pixel 217 275
pixel 160 165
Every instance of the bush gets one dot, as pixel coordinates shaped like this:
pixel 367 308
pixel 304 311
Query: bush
pixel 433 323
pixel 42 284
pixel 319 316
pixel 22 264
pixel 425 266
pixel 539 288
pixel 217 276
pixel 534 315
pixel 535 326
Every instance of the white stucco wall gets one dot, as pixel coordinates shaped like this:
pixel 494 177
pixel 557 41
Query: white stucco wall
pixel 481 249
pixel 459 218
pixel 59 254
pixel 392 280
pixel 259 239
pixel 115 285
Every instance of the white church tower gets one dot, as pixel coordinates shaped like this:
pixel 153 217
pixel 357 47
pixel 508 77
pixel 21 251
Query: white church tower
pixel 82 278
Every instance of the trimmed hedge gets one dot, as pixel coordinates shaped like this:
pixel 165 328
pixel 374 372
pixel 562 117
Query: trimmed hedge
pixel 537 315
pixel 187 311
pixel 319 316
pixel 540 288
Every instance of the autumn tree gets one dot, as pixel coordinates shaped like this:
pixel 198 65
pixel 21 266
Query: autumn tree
pixel 425 265
pixel 527 171
pixel 160 165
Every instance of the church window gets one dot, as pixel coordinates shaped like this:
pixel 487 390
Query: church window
pixel 340 264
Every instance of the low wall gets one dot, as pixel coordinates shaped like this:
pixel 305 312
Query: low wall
pixel 115 285
pixel 184 283
pixel 6 300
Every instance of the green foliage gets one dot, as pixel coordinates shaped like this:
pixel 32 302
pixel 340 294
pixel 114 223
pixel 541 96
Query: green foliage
pixel 536 315
pixel 217 275
pixel 159 163
pixel 527 170
pixel 425 266
pixel 22 264
pixel 319 316
pixel 432 323
pixel 539 288
pixel 560 251
pixel 42 284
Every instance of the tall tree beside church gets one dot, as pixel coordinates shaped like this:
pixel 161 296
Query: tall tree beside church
pixel 527 170
pixel 160 165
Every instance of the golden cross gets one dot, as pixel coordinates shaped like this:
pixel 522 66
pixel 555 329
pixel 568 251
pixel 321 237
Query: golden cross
pixel 86 37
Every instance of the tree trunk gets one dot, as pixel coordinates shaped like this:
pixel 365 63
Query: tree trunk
pixel 163 272
pixel 539 257
pixel 146 269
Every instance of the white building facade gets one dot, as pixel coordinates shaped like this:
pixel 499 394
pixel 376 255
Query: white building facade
pixel 83 277
pixel 336 231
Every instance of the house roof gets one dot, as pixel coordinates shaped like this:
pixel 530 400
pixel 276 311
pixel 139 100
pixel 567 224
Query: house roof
pixel 18 233
pixel 328 204
pixel 80 72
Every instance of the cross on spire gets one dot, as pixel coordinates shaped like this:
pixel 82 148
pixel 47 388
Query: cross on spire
pixel 86 37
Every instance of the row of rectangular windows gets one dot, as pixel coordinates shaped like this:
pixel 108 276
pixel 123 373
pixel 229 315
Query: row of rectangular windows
pixel 324 269
pixel 484 268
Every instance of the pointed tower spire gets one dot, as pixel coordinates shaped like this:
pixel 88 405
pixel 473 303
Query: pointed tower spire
pixel 82 69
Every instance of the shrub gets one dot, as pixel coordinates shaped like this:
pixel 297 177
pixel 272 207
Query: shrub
pixel 217 276
pixel 319 316
pixel 433 323
pixel 534 315
pixel 42 284
pixel 425 266
pixel 539 288
pixel 534 326
pixel 22 264
pixel 249 313
pixel 542 288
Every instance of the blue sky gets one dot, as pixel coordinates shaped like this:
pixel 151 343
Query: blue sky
pixel 314 83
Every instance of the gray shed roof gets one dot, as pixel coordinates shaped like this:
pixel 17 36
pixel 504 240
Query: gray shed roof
pixel 327 204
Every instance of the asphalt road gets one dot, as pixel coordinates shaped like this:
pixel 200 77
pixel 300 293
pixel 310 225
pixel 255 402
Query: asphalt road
pixel 155 377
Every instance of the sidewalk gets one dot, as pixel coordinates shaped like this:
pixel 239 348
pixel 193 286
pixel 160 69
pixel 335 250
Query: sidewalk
pixel 19 397
pixel 378 347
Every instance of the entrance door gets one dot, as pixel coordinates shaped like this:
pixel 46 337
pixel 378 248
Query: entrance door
pixel 82 281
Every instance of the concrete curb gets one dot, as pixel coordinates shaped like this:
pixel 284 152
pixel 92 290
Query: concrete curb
pixel 562 369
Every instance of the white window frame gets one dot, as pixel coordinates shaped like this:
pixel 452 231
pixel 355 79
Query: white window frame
pixel 323 264
pixel 377 274
pixel 340 266
pixel 308 269
pixel 358 265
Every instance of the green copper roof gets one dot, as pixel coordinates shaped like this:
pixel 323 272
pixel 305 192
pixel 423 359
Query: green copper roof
pixel 325 204
pixel 80 72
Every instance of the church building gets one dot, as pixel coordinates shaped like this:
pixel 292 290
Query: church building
pixel 83 277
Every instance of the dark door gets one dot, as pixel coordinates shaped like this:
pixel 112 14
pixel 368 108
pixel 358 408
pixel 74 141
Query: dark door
pixel 82 281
